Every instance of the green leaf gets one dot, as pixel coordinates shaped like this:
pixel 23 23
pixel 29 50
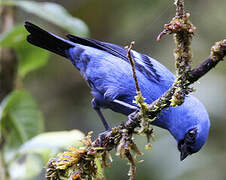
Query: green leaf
pixel 14 37
pixel 53 13
pixel 29 57
pixel 26 167
pixel 20 120
pixel 35 153
pixel 51 143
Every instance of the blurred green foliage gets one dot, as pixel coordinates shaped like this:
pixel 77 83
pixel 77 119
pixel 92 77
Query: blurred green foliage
pixel 52 12
pixel 35 153
pixel 20 121
pixel 29 57
pixel 25 149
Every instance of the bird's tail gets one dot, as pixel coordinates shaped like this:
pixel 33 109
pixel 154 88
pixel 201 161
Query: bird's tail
pixel 46 40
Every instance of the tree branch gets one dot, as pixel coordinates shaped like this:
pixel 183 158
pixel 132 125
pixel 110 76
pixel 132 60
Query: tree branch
pixel 218 52
pixel 121 136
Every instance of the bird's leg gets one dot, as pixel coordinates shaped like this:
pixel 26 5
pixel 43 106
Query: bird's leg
pixel 126 105
pixel 97 109
pixel 131 108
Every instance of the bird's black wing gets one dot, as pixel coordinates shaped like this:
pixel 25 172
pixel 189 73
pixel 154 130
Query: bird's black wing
pixel 119 51
pixel 113 49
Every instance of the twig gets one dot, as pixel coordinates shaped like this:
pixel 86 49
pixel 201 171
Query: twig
pixel 179 8
pixel 139 100
pixel 129 48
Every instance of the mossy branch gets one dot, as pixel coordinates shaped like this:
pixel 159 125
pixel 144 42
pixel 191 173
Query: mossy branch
pixel 82 162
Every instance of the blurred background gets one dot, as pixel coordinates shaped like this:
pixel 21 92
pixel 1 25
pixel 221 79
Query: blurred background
pixel 64 97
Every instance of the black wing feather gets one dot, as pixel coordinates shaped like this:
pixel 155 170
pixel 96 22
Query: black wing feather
pixel 113 49
pixel 120 52
pixel 46 40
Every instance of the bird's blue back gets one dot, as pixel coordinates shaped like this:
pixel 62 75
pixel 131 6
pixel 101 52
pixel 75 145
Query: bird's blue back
pixel 111 77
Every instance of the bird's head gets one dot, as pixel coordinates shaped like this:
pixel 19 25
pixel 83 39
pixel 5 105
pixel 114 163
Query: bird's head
pixel 192 142
pixel 191 128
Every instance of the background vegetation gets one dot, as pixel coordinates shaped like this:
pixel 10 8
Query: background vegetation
pixel 64 99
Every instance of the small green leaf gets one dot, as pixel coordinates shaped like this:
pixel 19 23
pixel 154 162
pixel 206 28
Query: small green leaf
pixel 51 143
pixel 53 13
pixel 29 57
pixel 20 120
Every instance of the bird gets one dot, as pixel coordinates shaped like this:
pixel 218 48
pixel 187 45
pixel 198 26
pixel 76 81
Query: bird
pixel 107 71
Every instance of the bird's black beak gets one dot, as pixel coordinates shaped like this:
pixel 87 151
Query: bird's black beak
pixel 184 152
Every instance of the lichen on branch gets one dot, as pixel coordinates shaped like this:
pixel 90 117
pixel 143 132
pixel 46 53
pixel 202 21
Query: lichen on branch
pixel 76 163
pixel 145 122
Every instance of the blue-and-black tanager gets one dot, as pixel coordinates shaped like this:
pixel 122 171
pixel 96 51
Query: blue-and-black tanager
pixel 107 71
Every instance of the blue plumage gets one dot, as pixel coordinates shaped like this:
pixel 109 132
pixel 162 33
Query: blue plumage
pixel 108 72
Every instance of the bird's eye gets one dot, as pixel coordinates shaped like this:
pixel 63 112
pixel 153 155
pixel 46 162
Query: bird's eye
pixel 190 136
pixel 192 133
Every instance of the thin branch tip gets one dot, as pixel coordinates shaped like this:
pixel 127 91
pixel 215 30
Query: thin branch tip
pixel 218 51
